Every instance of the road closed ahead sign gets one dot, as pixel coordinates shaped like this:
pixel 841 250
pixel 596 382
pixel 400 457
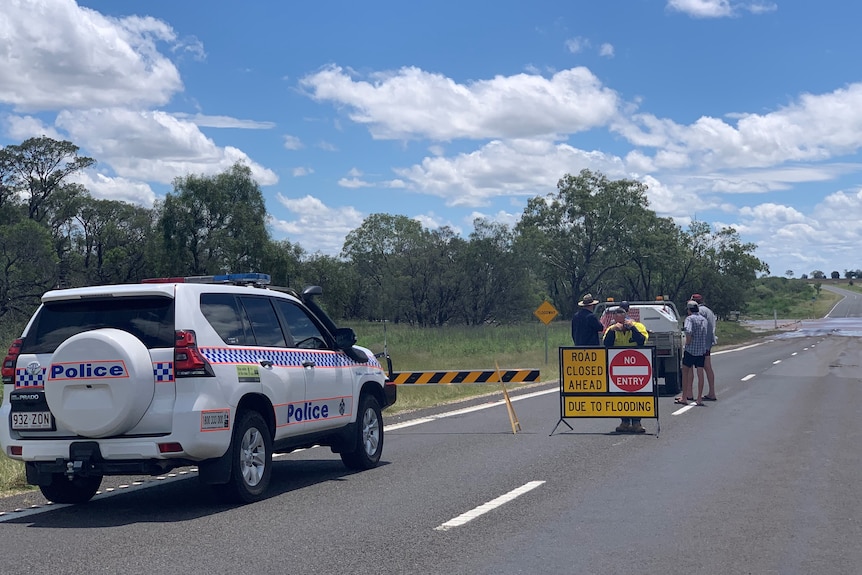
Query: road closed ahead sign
pixel 630 370
pixel 607 382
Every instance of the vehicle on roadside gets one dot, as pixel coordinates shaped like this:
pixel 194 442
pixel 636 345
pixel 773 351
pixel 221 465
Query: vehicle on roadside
pixel 219 372
pixel 663 323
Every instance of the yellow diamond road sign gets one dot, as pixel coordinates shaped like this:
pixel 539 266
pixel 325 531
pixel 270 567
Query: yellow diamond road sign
pixel 546 312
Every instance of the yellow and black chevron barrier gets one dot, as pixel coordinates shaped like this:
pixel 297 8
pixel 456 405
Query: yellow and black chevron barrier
pixel 459 377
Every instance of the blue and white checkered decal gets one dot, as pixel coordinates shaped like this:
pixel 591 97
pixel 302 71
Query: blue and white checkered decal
pixel 281 358
pixel 163 372
pixel 24 378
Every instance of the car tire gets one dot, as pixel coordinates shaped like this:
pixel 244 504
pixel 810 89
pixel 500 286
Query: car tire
pixel 671 383
pixel 368 441
pixel 251 460
pixel 78 490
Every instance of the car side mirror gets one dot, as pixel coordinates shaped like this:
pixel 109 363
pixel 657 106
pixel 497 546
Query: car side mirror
pixel 345 339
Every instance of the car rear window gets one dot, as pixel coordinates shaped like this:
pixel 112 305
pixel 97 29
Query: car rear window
pixel 150 319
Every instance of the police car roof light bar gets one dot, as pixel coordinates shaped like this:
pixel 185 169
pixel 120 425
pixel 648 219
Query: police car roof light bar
pixel 236 279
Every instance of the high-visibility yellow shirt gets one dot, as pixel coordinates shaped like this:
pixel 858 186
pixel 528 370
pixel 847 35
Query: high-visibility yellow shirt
pixel 624 338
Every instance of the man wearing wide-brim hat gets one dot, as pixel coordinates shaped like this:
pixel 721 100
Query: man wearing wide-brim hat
pixel 586 327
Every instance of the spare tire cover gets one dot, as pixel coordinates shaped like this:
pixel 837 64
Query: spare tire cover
pixel 100 383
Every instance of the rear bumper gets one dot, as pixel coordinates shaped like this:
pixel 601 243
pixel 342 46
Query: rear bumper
pixel 86 460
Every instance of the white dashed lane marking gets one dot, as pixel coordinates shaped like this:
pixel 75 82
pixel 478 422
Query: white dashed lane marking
pixel 486 507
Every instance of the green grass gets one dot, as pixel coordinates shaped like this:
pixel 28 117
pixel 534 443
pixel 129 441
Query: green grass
pixel 12 479
pixel 464 348
pixel 802 308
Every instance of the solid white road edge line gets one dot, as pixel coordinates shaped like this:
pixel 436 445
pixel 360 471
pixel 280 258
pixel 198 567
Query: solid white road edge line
pixel 736 349
pixel 486 507
pixel 413 422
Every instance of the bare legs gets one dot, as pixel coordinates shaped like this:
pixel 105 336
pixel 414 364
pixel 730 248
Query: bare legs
pixel 687 383
pixel 710 376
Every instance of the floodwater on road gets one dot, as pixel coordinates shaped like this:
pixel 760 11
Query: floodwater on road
pixel 842 326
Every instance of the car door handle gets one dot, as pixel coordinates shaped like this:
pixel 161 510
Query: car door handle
pixel 308 363
pixel 265 363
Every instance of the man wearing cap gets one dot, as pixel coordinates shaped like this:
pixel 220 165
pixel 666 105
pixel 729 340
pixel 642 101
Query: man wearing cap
pixel 710 341
pixel 586 327
pixel 693 355
pixel 625 332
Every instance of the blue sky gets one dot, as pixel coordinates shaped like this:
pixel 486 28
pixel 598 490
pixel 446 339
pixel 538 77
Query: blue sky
pixel 744 114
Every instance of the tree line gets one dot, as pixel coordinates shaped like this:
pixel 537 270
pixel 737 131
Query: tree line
pixel 591 235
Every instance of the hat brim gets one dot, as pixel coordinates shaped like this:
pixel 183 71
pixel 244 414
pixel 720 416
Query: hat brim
pixel 585 304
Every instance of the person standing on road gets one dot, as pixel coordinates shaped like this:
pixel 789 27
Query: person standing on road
pixel 625 332
pixel 695 328
pixel 586 327
pixel 711 340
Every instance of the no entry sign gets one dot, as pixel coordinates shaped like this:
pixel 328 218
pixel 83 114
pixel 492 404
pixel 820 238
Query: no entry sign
pixel 630 370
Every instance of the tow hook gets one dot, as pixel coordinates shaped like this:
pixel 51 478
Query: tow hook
pixel 73 468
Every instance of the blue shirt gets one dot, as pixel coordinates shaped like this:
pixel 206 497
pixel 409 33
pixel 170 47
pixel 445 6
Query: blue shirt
pixel 586 327
pixel 696 330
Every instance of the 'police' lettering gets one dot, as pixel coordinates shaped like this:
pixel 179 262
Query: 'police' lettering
pixel 306 411
pixel 88 370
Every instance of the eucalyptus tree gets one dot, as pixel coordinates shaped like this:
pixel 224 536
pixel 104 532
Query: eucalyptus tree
pixel 376 250
pixel 40 170
pixel 214 224
pixel 12 209
pixel 282 260
pixel 581 235
pixel 718 265
pixel 659 248
pixel 728 271
pixel 406 272
pixel 27 268
pixel 38 167
pixel 343 297
pixel 435 280
pixel 109 241
pixel 494 277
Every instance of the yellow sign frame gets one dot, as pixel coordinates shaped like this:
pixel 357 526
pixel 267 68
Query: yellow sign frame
pixel 586 390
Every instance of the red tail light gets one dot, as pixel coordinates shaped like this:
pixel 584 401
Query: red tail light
pixel 10 360
pixel 188 360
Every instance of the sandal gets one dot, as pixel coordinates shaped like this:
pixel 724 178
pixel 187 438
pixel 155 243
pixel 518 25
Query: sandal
pixel 680 401
pixel 708 398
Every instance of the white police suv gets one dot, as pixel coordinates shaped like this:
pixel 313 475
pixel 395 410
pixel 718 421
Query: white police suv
pixel 214 371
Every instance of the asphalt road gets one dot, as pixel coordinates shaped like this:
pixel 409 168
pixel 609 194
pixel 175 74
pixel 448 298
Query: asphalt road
pixel 765 480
